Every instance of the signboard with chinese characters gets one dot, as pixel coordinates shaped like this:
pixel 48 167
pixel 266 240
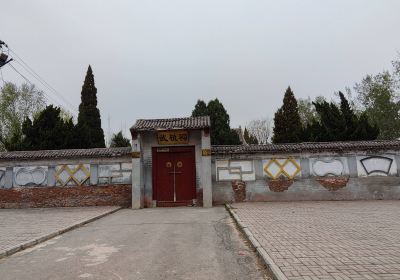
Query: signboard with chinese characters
pixel 175 137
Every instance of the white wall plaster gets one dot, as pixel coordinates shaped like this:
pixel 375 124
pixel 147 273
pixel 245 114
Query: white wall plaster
pixel 115 173
pixel 376 165
pixel 30 175
pixel 329 166
pixel 106 169
pixel 126 166
pixel 228 170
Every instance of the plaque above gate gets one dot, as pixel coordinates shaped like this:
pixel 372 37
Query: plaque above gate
pixel 173 137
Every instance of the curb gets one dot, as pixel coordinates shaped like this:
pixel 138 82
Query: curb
pixel 51 235
pixel 271 265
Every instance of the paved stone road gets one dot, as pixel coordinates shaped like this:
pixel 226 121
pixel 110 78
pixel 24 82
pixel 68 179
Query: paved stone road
pixel 328 240
pixel 18 226
pixel 161 243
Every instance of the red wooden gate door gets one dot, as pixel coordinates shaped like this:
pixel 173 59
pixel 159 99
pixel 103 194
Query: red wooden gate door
pixel 174 176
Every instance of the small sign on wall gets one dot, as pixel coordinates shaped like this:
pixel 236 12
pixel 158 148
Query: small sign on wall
pixel 177 137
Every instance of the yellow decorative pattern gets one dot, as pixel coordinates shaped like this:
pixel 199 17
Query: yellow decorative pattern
pixel 174 137
pixel 135 154
pixel 72 173
pixel 281 168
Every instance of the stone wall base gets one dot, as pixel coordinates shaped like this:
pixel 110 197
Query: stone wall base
pixel 74 196
pixel 314 189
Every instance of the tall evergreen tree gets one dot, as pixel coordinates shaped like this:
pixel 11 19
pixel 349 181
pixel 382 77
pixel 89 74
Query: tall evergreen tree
pixel 118 140
pixel 200 109
pixel 48 131
pixel 287 122
pixel 364 130
pixel 338 123
pixel 332 123
pixel 91 135
pixel 350 120
pixel 221 133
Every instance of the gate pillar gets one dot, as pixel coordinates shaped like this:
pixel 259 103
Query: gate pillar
pixel 206 181
pixel 137 173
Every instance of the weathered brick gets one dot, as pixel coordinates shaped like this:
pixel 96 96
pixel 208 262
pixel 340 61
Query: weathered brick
pixel 279 185
pixel 73 196
pixel 239 190
pixel 333 183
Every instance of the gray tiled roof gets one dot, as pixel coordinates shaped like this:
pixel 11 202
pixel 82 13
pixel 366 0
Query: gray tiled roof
pixel 315 147
pixel 72 153
pixel 168 124
pixel 311 147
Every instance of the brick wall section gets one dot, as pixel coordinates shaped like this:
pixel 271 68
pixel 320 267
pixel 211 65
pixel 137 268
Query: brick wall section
pixel 75 196
pixel 239 190
pixel 333 184
pixel 279 185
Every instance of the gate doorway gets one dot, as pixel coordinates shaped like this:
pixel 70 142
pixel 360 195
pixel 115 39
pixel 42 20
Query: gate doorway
pixel 174 176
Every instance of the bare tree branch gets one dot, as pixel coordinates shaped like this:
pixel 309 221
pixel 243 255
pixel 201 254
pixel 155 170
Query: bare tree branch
pixel 261 129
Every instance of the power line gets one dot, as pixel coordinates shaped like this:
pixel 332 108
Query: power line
pixel 70 107
pixel 41 79
pixel 35 75
pixel 44 83
pixel 29 82
pixel 25 78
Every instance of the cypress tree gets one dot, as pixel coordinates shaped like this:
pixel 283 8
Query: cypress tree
pixel 200 109
pixel 48 131
pixel 287 123
pixel 118 140
pixel 366 131
pixel 221 133
pixel 89 129
pixel 332 122
pixel 312 131
pixel 349 118
pixel 339 123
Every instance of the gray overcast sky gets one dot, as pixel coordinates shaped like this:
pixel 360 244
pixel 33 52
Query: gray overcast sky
pixel 155 58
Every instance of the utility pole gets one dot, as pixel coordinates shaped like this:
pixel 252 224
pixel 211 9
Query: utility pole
pixel 3 55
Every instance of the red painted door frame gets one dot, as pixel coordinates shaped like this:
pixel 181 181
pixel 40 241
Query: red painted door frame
pixel 174 175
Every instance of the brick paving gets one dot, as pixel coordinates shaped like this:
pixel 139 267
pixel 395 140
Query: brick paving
pixel 18 226
pixel 328 240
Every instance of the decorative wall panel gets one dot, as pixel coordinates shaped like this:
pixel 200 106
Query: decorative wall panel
pixel 287 168
pixel 376 165
pixel 72 174
pixel 30 176
pixel 228 170
pixel 323 167
pixel 117 173
pixel 2 177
